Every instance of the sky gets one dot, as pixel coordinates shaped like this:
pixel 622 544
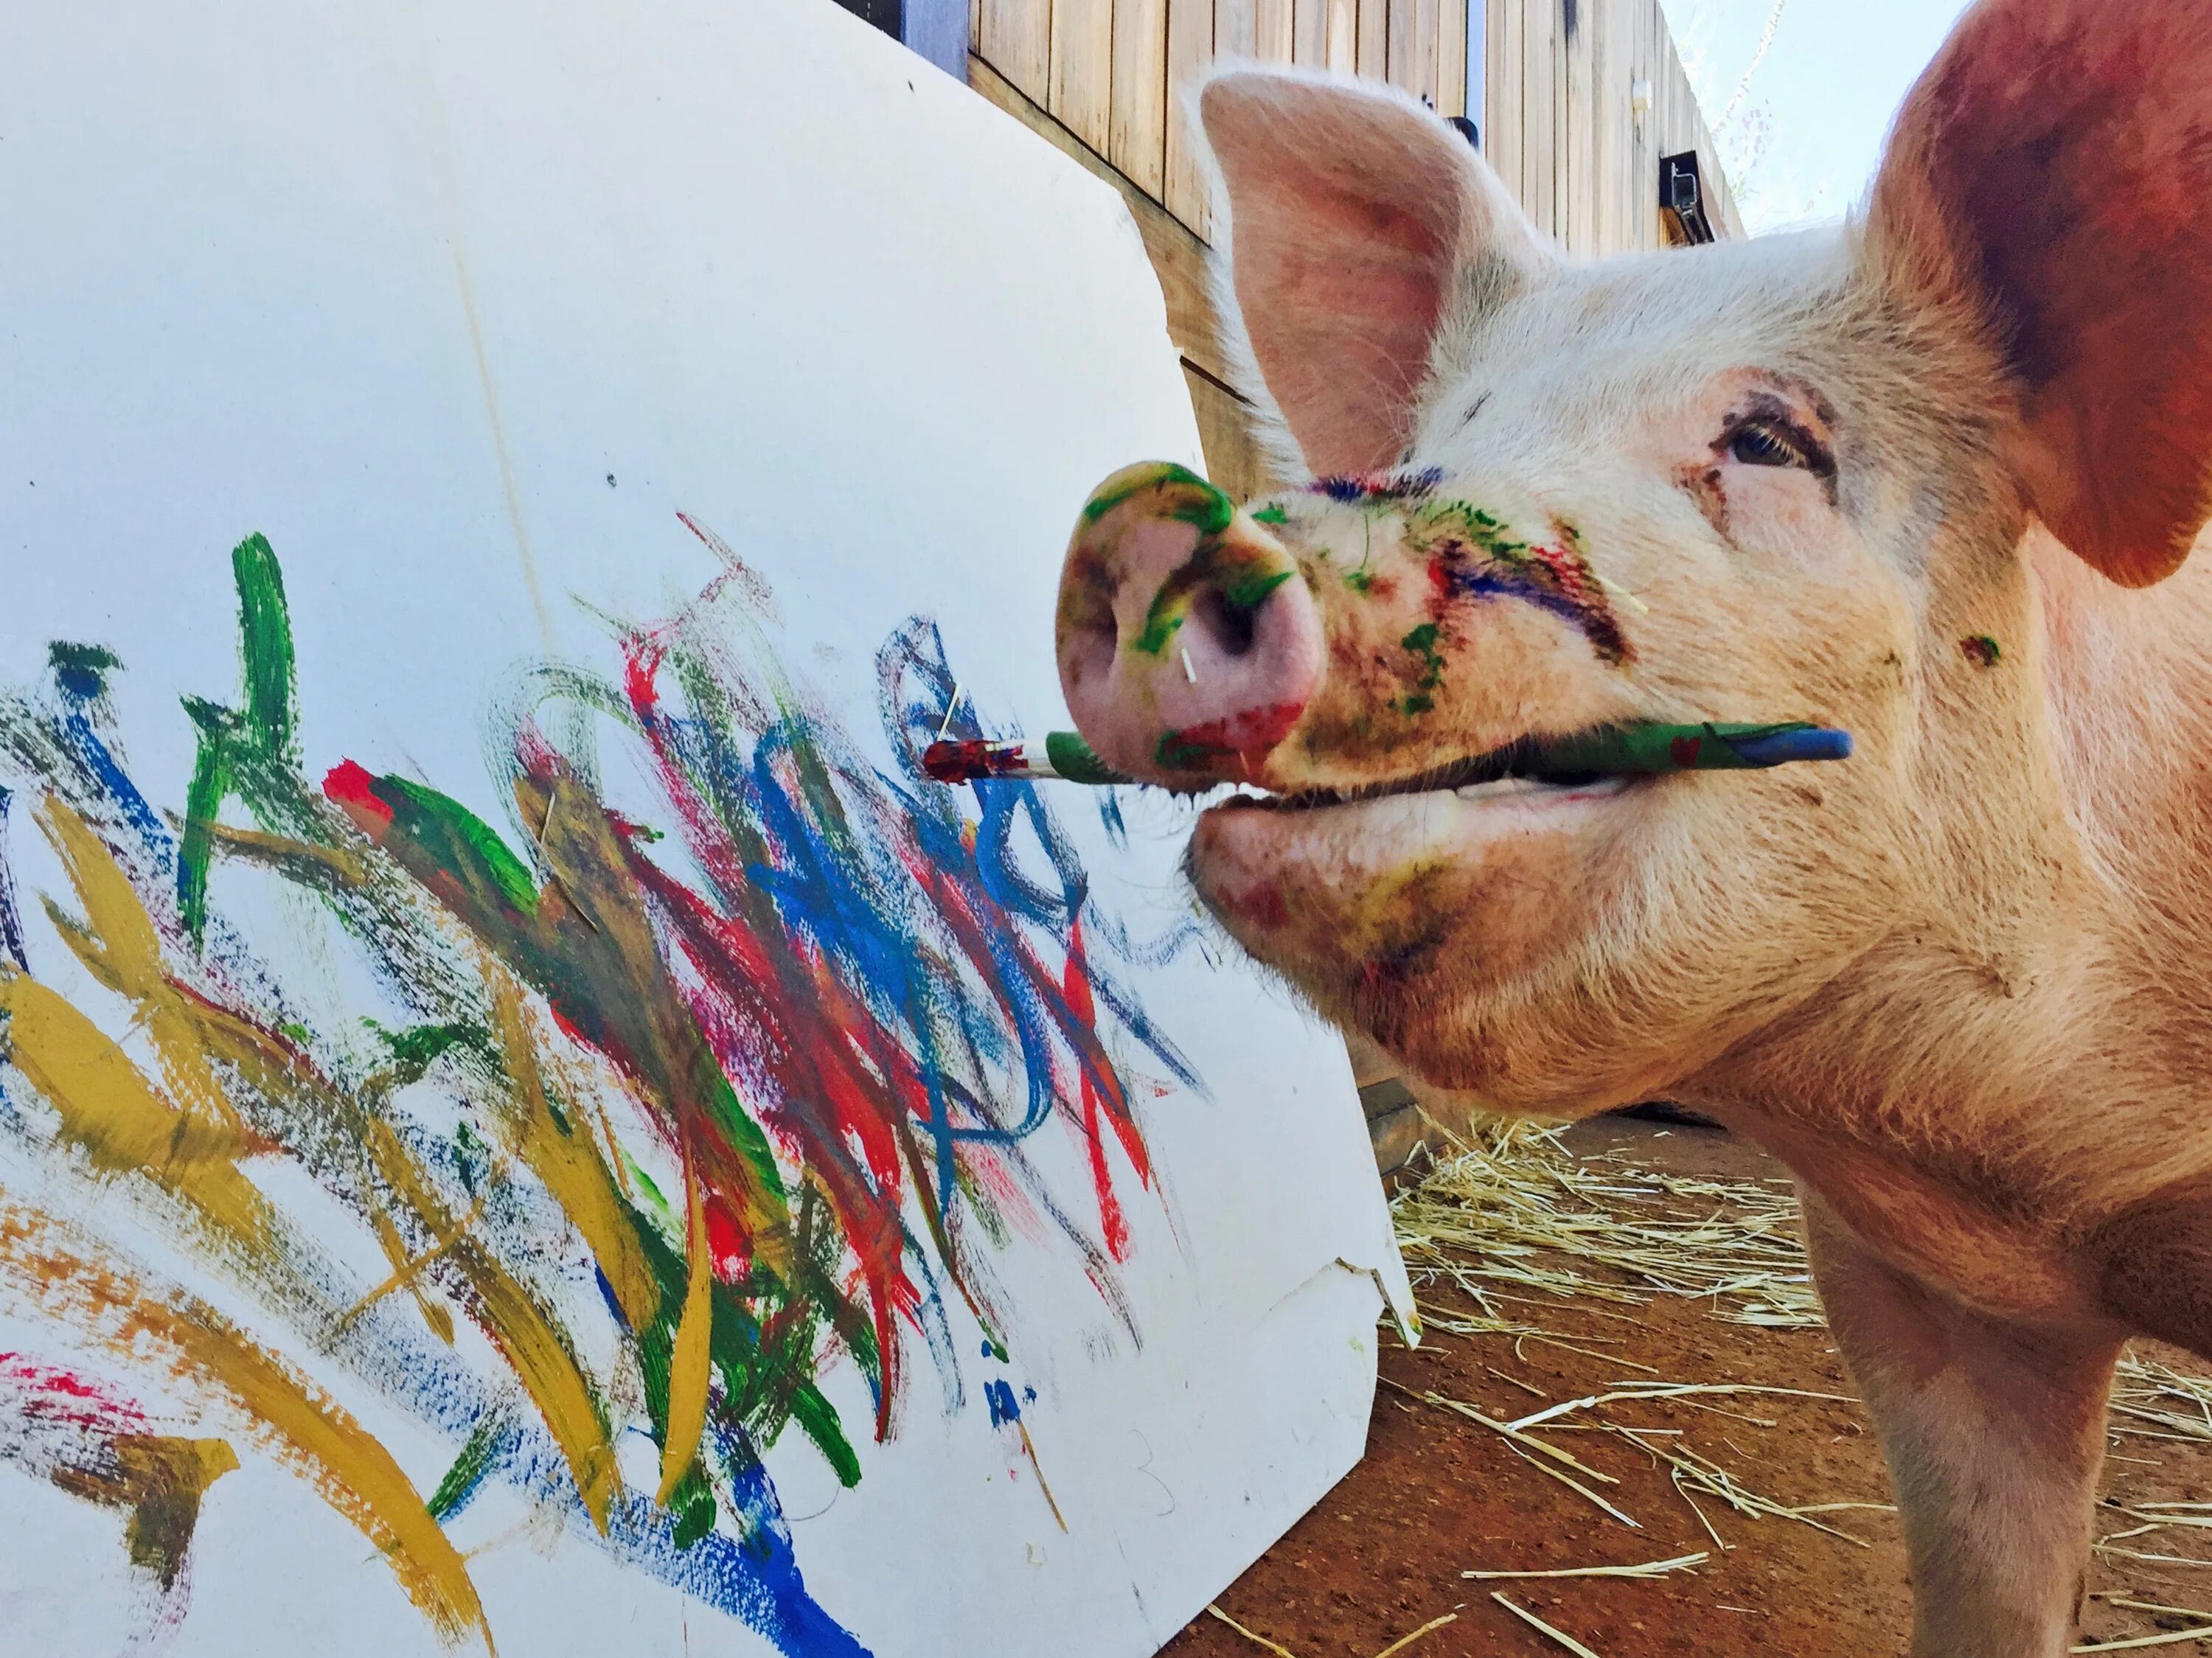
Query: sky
pixel 1803 139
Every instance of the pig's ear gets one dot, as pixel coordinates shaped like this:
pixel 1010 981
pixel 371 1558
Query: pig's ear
pixel 2052 174
pixel 1351 213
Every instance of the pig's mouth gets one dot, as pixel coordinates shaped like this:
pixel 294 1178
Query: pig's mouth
pixel 1512 772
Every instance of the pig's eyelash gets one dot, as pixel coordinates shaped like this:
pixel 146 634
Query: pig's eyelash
pixel 1769 440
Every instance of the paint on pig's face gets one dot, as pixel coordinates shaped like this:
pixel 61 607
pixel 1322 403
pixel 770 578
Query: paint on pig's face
pixel 1617 532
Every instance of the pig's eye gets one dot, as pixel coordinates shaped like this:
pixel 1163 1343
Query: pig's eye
pixel 1767 443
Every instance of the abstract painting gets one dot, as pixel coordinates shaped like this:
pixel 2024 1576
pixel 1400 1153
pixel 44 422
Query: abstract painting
pixel 778 1108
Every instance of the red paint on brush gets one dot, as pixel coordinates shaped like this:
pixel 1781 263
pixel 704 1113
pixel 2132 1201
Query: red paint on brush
pixel 1683 751
pixel 963 760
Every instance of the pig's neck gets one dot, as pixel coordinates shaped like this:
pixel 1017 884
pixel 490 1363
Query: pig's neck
pixel 2034 1047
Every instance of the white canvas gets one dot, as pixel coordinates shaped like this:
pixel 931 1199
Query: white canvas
pixel 457 308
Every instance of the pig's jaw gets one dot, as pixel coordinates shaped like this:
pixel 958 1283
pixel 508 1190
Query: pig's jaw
pixel 1364 902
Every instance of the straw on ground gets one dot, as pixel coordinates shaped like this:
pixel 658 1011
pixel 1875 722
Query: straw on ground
pixel 1542 1628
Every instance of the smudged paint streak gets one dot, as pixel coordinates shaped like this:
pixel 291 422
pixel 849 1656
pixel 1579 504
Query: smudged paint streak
pixel 1470 553
pixel 85 1439
pixel 842 1010
pixel 1238 735
pixel 187 1342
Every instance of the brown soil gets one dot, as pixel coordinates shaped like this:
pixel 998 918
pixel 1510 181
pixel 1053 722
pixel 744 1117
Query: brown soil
pixel 1382 1554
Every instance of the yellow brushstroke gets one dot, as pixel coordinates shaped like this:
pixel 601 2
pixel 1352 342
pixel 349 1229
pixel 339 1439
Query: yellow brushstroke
pixel 520 1329
pixel 120 946
pixel 566 1161
pixel 282 852
pixel 407 1274
pixel 689 1364
pixel 293 1420
pixel 110 1110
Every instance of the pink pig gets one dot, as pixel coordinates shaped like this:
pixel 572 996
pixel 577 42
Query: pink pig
pixel 1916 479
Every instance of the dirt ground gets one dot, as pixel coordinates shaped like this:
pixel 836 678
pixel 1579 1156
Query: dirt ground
pixel 1437 1495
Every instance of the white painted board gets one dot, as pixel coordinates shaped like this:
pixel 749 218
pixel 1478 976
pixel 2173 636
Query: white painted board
pixel 459 307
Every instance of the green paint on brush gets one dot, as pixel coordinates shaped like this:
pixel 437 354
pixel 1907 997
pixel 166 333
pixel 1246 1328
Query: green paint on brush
pixel 1074 760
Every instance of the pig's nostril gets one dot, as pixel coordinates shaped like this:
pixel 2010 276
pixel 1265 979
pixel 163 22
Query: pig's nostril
pixel 1231 626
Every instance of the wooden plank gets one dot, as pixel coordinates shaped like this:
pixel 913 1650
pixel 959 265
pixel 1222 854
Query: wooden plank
pixel 1310 33
pixel 1236 28
pixel 1083 69
pixel 1274 31
pixel 1178 256
pixel 1374 53
pixel 1581 187
pixel 1138 134
pixel 1340 36
pixel 1016 40
pixel 975 25
pixel 1451 59
pixel 1644 164
pixel 1608 110
pixel 1190 49
pixel 1503 139
pixel 1416 72
pixel 1540 163
pixel 1233 461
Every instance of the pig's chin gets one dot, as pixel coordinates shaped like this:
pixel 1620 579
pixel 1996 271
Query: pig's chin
pixel 1369 902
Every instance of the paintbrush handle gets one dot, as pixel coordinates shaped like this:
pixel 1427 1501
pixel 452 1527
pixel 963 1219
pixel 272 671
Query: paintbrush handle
pixel 1648 750
pixel 1061 755
pixel 1655 750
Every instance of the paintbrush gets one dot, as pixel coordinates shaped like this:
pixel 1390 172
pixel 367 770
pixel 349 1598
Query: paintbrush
pixel 1644 749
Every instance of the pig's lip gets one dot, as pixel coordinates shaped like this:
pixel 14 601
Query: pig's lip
pixel 1502 774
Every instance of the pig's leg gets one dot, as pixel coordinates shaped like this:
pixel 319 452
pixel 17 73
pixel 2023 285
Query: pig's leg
pixel 1994 1434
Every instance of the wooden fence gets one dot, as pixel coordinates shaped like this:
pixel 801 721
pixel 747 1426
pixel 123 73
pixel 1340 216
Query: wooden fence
pixel 1576 100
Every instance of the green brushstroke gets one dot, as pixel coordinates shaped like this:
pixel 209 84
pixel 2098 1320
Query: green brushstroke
pixel 262 735
pixel 469 1468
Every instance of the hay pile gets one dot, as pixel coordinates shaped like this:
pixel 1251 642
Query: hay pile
pixel 1523 1228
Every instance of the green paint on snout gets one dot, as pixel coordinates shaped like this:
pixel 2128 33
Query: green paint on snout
pixel 1203 506
pixel 1422 642
pixel 1244 582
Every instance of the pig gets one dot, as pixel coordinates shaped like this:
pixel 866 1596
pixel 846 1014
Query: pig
pixel 1932 477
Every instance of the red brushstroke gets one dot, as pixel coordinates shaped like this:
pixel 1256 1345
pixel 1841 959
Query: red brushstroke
pixel 1113 1225
pixel 353 786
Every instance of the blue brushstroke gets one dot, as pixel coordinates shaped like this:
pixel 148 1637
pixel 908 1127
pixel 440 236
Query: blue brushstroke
pixel 1000 1397
pixel 11 919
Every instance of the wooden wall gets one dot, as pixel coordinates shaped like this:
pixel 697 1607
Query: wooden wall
pixel 1555 88
pixel 1564 129
pixel 1118 73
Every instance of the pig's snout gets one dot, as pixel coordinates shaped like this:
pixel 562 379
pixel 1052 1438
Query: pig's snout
pixel 1189 642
